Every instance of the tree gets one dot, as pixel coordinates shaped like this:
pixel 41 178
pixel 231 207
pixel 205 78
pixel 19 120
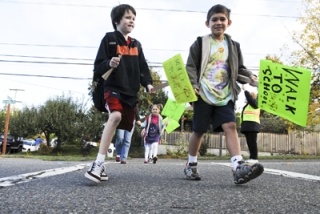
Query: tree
pixel 91 124
pixel 24 122
pixel 308 55
pixel 59 117
pixel 146 99
pixel 2 120
pixel 309 38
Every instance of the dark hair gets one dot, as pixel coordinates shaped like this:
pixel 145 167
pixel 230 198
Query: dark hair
pixel 118 12
pixel 218 8
pixel 160 106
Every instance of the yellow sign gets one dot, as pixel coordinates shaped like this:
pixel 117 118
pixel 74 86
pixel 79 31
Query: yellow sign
pixel 284 91
pixel 179 80
pixel 172 125
pixel 173 110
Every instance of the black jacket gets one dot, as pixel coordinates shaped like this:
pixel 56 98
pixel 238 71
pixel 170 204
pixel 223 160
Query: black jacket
pixel 132 71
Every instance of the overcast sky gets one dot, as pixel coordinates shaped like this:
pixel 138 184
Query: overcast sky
pixel 47 47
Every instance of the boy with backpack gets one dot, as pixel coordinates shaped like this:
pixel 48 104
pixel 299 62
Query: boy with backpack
pixel 213 66
pixel 121 88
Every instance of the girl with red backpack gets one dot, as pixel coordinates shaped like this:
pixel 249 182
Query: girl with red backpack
pixel 151 132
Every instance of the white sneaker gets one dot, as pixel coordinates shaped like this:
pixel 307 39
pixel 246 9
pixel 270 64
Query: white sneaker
pixel 252 161
pixel 94 172
pixel 104 175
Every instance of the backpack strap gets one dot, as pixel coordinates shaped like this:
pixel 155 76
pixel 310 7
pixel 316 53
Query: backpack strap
pixel 199 40
pixel 148 124
pixel 111 48
pixel 160 123
pixel 198 65
pixel 112 44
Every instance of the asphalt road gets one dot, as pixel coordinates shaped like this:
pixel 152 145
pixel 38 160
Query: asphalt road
pixel 35 186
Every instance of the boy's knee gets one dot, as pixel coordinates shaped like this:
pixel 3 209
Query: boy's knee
pixel 196 135
pixel 115 117
pixel 231 126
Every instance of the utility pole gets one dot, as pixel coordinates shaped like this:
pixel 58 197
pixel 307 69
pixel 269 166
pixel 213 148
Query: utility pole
pixel 6 126
pixel 15 95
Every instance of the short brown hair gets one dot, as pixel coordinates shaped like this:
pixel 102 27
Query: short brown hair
pixel 118 12
pixel 218 8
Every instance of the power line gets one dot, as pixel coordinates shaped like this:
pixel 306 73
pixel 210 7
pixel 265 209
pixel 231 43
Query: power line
pixel 47 62
pixel 45 76
pixel 41 45
pixel 74 46
pixel 43 57
pixel 47 87
pixel 156 9
pixel 151 64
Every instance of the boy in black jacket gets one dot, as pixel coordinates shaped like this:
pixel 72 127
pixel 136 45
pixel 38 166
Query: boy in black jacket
pixel 130 69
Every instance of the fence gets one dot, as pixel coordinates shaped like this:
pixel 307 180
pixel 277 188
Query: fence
pixel 304 143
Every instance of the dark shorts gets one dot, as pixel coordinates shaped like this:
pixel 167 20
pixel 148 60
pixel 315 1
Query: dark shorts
pixel 205 114
pixel 113 103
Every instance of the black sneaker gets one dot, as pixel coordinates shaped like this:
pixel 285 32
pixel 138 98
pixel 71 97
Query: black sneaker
pixel 246 172
pixel 191 171
pixel 154 159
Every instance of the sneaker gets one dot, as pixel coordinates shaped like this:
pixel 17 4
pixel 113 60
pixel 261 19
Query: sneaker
pixel 154 159
pixel 123 162
pixel 246 172
pixel 252 161
pixel 146 161
pixel 117 158
pixel 94 172
pixel 191 171
pixel 150 160
pixel 104 175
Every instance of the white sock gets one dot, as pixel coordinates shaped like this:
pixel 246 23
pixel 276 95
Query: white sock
pixel 234 161
pixel 100 158
pixel 192 159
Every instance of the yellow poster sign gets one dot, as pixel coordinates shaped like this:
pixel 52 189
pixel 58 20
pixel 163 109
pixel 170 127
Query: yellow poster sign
pixel 284 91
pixel 179 80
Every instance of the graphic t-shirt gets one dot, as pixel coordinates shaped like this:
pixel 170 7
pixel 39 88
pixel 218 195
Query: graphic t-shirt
pixel 215 81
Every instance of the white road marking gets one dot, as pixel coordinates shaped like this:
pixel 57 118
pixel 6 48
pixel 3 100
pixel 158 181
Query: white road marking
pixel 12 180
pixel 284 173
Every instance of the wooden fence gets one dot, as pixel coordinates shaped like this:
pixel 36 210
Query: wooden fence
pixel 304 143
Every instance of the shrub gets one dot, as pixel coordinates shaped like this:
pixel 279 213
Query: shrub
pixel 44 149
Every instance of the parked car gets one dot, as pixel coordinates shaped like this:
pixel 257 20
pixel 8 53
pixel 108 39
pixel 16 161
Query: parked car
pixel 86 147
pixel 30 145
pixel 94 144
pixel 14 144
pixel 54 142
